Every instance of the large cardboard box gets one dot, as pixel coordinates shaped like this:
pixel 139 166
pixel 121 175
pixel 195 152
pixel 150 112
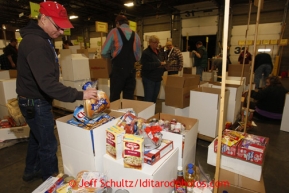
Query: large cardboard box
pixel 8 74
pixel 236 70
pixel 141 108
pixel 239 184
pixel 7 90
pixel 234 101
pixel 184 112
pixel 285 120
pixel 89 52
pixel 14 133
pixel 99 68
pixel 205 106
pixel 187 150
pixel 247 169
pixel 82 149
pixel 74 66
pixel 3 111
pixel 188 60
pixel 177 89
pixel 145 180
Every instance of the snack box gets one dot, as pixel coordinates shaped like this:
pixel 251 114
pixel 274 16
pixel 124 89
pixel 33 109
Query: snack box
pixel 114 136
pixel 153 156
pixel 253 149
pixel 133 151
pixel 226 149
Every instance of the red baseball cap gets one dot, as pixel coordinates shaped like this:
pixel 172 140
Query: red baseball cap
pixel 57 12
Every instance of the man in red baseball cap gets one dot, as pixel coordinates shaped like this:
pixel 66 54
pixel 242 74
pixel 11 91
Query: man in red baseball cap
pixel 38 84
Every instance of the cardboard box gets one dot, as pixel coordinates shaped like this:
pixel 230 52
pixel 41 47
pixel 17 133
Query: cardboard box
pixel 3 111
pixel 240 184
pixel 74 66
pixel 225 149
pixel 153 156
pixel 8 74
pixel 187 150
pixel 208 76
pixel 89 52
pixel 236 70
pixel 188 60
pixel 114 138
pixel 7 90
pixel 175 111
pixel 164 170
pixel 247 169
pixel 255 152
pixel 205 106
pixel 82 149
pixel 285 120
pixel 234 101
pixel 14 133
pixel 177 89
pixel 141 108
pixel 100 68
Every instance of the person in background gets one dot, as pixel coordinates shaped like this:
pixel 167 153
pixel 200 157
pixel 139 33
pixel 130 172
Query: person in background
pixel 263 66
pixel 270 100
pixel 174 58
pixel 200 58
pixel 124 47
pixel 66 44
pixel 248 56
pixel 152 71
pixel 37 84
pixel 218 64
pixel 9 58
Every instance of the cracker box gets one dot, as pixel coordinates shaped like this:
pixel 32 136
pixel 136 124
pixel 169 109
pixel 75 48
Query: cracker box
pixel 253 149
pixel 114 136
pixel 225 149
pixel 133 151
pixel 152 156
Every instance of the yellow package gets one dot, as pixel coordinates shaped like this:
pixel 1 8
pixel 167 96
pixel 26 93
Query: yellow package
pixel 133 151
pixel 114 137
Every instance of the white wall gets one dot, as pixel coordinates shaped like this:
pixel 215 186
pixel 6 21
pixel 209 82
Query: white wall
pixel 200 26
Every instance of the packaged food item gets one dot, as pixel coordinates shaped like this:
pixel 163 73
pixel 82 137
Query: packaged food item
pixel 114 138
pixel 133 151
pixel 126 122
pixel 231 137
pixel 152 156
pixel 93 108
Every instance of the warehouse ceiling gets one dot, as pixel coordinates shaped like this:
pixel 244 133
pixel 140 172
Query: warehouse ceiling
pixel 15 13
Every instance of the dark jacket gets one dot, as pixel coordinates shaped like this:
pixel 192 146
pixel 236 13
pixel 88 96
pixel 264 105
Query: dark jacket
pixel 151 65
pixel 271 98
pixel 203 61
pixel 262 58
pixel 38 68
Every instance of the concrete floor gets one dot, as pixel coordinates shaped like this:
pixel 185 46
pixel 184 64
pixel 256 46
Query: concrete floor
pixel 275 170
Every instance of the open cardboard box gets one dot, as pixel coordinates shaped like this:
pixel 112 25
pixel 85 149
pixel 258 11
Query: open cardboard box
pixel 236 70
pixel 82 149
pixel 141 108
pixel 188 152
pixel 239 184
pixel 14 133
pixel 205 106
pixel 145 180
pixel 177 89
pixel 244 168
pixel 99 68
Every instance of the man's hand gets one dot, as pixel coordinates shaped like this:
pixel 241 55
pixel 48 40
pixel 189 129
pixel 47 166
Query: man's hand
pixel 90 93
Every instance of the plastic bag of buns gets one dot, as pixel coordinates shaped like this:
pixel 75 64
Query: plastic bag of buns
pixel 93 108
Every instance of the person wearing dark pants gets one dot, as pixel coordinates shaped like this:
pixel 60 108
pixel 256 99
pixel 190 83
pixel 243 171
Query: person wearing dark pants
pixel 152 70
pixel 37 84
pixel 263 66
pixel 174 58
pixel 201 58
pixel 123 46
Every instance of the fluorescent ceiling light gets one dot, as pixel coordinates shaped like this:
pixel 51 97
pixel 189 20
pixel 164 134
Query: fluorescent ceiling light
pixel 129 4
pixel 17 30
pixel 73 17
pixel 264 50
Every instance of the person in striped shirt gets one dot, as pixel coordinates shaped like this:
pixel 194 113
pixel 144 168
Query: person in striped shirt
pixel 123 46
pixel 174 58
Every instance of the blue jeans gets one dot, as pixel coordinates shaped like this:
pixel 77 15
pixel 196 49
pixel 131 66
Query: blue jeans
pixel 264 69
pixel 151 90
pixel 42 145
pixel 199 71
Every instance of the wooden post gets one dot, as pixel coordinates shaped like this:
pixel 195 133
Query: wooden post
pixel 252 66
pixel 222 105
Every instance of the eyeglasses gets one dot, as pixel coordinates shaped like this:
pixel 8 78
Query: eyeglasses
pixel 56 26
pixel 155 42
